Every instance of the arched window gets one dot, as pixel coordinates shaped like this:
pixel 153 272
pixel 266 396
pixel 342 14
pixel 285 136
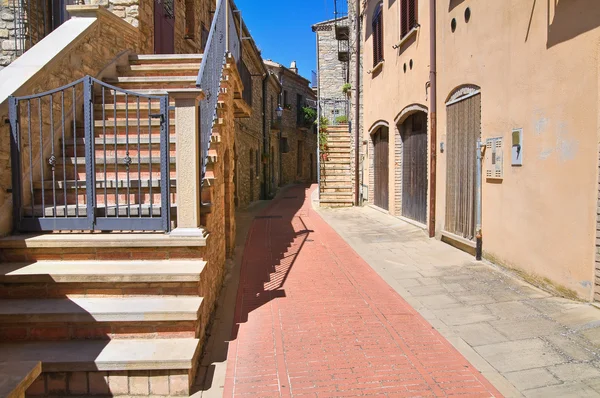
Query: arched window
pixel 377 24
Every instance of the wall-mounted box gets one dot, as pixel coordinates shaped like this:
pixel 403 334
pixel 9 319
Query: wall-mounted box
pixel 516 151
pixel 493 152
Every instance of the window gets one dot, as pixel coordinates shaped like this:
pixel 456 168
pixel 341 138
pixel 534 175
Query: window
pixel 299 114
pixel 190 19
pixel 408 16
pixel 246 78
pixel 377 24
pixel 299 159
pixel 257 160
pixel 285 99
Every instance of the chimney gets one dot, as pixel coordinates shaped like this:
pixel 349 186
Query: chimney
pixel 294 67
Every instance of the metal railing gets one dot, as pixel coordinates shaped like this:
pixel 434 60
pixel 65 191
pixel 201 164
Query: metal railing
pixel 334 110
pixel 223 39
pixel 34 20
pixel 90 156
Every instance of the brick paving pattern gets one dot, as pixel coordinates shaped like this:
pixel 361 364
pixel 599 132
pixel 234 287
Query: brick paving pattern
pixel 314 320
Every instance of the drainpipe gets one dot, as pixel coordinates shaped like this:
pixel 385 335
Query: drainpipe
pixel 478 234
pixel 433 116
pixel 357 109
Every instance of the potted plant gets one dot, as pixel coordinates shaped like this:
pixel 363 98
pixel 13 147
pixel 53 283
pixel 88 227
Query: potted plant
pixel 287 107
pixel 342 119
pixel 347 89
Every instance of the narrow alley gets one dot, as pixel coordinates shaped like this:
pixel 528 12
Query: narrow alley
pixel 355 302
pixel 313 319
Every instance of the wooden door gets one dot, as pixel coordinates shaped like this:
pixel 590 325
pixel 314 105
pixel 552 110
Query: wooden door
pixel 381 157
pixel 164 26
pixel 414 167
pixel 463 130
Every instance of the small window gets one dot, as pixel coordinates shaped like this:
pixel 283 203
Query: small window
pixel 257 161
pixel 408 16
pixel 285 99
pixel 377 24
pixel 300 159
pixel 299 105
pixel 190 19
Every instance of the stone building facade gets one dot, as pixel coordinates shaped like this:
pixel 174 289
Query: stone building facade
pixel 333 73
pixel 253 174
pixel 298 143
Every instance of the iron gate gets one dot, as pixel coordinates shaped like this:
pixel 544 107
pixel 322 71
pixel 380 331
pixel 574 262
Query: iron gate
pixel 464 128
pixel 90 156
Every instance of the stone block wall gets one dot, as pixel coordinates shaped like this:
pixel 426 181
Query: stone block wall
pixel 7 34
pixel 249 136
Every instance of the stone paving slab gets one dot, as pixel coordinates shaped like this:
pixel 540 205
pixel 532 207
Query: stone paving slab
pixel 525 341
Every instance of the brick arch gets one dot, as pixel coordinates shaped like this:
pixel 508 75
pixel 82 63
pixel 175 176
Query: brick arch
pixel 409 110
pixel 461 91
pixel 399 150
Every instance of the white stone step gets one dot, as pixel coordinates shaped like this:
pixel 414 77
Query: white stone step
pixel 101 309
pixel 105 355
pixel 170 58
pixel 151 79
pixel 149 67
pixel 103 271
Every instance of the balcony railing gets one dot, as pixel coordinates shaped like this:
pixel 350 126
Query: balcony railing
pixel 34 20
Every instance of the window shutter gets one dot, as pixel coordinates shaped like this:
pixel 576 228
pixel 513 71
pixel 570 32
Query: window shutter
pixel 377 39
pixel 412 14
pixel 403 18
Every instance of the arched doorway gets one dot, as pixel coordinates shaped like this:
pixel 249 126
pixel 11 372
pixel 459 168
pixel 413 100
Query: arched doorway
pixel 413 134
pixel 463 130
pixel 381 167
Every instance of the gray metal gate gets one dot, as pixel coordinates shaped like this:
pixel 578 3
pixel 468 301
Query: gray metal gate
pixel 464 128
pixel 90 156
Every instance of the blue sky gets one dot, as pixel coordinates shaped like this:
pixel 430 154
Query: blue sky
pixel 282 29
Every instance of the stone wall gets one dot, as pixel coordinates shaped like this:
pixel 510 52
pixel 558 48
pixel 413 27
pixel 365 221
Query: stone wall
pixel 295 85
pixel 7 34
pixel 249 138
pixel 91 53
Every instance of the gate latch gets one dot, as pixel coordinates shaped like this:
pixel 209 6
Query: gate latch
pixel 160 116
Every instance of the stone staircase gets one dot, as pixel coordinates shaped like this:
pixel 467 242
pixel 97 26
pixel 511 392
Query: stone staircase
pixel 336 171
pixel 114 314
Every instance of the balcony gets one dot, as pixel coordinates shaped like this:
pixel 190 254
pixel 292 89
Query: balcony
pixel 343 51
pixel 342 28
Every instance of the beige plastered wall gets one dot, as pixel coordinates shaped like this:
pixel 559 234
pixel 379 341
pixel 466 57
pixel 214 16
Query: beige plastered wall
pixel 537 66
pixel 389 90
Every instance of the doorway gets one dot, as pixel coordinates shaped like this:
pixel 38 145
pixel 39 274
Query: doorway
pixel 413 132
pixel 381 167
pixel 463 130
pixel 164 26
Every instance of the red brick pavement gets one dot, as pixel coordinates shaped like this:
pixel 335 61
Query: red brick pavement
pixel 314 320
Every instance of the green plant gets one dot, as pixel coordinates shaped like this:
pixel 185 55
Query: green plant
pixel 323 147
pixel 287 107
pixel 346 88
pixel 341 119
pixel 309 117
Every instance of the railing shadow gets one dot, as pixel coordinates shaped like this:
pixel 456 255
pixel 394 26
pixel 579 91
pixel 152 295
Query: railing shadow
pixel 265 267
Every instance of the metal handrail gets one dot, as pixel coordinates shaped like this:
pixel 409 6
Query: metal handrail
pixel 220 43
